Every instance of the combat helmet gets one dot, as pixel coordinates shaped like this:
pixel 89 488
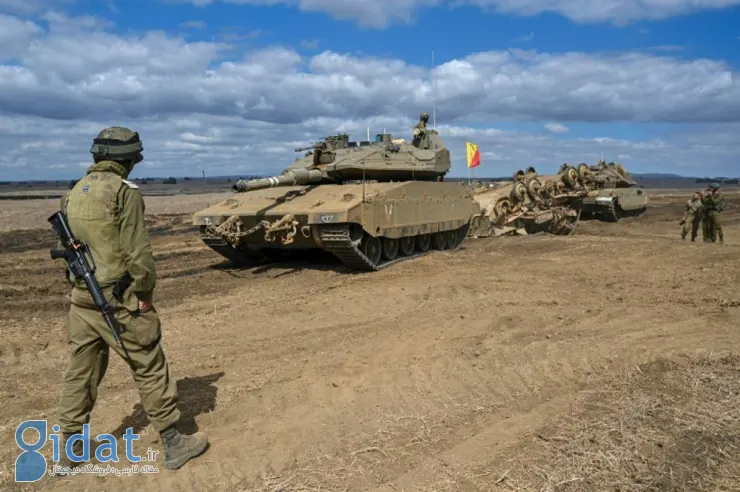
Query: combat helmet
pixel 117 144
pixel 714 186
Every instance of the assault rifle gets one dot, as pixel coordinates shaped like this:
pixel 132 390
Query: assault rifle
pixel 81 264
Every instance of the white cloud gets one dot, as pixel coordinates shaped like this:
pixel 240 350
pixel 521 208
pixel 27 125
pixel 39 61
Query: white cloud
pixel 310 44
pixel 247 114
pixel 231 145
pixel 196 24
pixel 32 6
pixel 15 35
pixel 79 70
pixel 556 128
pixel 381 13
pixel 369 14
pixel 617 11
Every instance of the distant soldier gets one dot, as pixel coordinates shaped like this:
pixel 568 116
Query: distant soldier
pixel 107 212
pixel 713 203
pixel 692 217
pixel 420 132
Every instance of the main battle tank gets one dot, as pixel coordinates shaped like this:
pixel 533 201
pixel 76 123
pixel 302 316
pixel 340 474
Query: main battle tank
pixel 370 204
pixel 612 193
pixel 529 204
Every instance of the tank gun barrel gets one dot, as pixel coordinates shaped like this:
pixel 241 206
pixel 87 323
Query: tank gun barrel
pixel 310 147
pixel 293 177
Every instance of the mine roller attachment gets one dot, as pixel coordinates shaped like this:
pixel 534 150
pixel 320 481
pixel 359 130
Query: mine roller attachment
pixel 564 221
pixel 227 238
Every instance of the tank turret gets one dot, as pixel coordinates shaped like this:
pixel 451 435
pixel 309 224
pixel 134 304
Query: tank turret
pixel 336 159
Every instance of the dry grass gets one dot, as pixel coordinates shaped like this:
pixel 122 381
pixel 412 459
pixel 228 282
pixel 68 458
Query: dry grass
pixel 670 425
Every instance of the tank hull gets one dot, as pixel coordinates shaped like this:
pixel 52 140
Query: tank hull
pixel 612 204
pixel 367 227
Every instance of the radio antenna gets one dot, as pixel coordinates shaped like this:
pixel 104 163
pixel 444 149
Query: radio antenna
pixel 434 97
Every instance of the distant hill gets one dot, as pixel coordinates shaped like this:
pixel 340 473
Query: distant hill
pixel 661 176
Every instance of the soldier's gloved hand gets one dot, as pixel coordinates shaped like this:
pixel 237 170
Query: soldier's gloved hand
pixel 145 306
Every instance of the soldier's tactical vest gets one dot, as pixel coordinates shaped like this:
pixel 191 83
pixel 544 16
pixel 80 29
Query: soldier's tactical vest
pixel 93 211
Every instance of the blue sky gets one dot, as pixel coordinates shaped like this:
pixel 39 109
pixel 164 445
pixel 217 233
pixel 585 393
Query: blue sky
pixel 232 87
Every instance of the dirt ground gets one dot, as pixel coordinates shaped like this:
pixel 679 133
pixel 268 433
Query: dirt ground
pixel 600 361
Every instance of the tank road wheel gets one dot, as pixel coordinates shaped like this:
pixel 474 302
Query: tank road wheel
pixel 456 237
pixel 531 170
pixel 439 241
pixel 583 171
pixel 390 248
pixel 570 177
pixel 533 186
pixel 519 175
pixel 518 192
pixel 451 239
pixel 423 242
pixel 406 245
pixel 371 248
pixel 502 207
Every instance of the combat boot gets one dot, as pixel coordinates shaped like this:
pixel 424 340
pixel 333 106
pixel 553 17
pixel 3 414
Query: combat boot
pixel 179 447
pixel 65 464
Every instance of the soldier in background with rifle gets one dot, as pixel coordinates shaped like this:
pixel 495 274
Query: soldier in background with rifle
pixel 692 217
pixel 102 218
pixel 713 203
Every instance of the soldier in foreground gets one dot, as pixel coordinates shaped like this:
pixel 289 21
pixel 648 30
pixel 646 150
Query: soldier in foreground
pixel 714 203
pixel 692 217
pixel 107 212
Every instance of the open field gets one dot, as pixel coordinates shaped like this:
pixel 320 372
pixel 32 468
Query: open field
pixel 600 361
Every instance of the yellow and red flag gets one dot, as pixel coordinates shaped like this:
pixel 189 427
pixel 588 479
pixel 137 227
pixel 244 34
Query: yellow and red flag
pixel 473 155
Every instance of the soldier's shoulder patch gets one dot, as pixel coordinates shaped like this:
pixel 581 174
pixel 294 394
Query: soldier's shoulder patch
pixel 130 184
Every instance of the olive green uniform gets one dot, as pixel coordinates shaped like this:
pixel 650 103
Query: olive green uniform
pixel 107 212
pixel 692 218
pixel 713 204
pixel 421 139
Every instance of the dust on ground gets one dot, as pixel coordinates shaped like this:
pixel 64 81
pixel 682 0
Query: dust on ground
pixel 600 361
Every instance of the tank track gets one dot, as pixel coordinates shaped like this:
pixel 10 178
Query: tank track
pixel 337 241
